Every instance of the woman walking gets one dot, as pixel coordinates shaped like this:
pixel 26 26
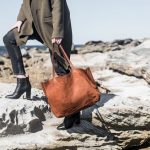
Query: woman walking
pixel 47 21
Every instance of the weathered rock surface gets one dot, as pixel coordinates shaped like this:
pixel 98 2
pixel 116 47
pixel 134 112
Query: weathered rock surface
pixel 100 46
pixel 33 62
pixel 21 115
pixel 38 64
pixel 120 120
pixel 133 61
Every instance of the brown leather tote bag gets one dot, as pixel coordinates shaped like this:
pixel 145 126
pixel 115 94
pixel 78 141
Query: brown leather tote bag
pixel 72 92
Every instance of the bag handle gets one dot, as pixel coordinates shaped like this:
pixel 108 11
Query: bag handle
pixel 60 48
pixel 65 55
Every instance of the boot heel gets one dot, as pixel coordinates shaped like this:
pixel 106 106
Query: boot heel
pixel 28 93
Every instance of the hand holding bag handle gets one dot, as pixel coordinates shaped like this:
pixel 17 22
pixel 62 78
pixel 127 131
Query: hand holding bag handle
pixel 60 47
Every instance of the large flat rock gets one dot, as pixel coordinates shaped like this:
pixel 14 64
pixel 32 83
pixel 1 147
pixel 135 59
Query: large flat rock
pixel 102 47
pixel 20 116
pixel 121 119
pixel 134 62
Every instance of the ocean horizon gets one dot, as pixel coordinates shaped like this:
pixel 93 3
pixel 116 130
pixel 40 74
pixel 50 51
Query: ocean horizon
pixel 3 50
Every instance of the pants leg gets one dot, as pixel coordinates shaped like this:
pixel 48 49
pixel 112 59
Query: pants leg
pixel 14 53
pixel 58 63
pixel 58 60
pixel 16 56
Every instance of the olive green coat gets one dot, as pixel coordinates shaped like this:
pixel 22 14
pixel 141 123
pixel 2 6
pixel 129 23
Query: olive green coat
pixel 51 19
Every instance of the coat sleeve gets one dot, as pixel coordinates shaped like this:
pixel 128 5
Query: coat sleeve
pixel 21 16
pixel 58 18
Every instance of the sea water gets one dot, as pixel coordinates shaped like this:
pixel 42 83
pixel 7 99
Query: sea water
pixel 3 50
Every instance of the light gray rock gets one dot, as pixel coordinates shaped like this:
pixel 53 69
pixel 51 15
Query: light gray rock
pixel 1 61
pixel 122 120
pixel 99 46
pixel 18 116
pixel 25 53
pixel 134 62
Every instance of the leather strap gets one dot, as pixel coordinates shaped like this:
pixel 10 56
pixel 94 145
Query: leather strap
pixel 65 55
pixel 60 47
pixel 53 70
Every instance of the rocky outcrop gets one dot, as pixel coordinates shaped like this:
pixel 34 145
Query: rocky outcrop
pixel 21 116
pixel 35 58
pixel 100 46
pixel 134 62
pixel 33 61
pixel 120 120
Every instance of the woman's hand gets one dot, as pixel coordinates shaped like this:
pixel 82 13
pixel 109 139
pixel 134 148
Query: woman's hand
pixel 18 25
pixel 56 40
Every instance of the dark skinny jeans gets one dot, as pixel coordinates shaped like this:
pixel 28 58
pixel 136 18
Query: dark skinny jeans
pixel 16 56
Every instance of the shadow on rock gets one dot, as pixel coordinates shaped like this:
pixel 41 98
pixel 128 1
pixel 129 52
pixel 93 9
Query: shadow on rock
pixel 35 126
pixel 87 127
pixel 39 98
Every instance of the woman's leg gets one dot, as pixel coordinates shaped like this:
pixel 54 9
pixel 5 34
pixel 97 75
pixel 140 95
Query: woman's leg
pixel 58 65
pixel 14 53
pixel 23 83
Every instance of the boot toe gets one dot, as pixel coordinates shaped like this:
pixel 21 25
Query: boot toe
pixel 9 97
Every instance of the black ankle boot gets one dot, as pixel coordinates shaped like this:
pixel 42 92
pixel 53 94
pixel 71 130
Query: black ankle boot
pixel 70 120
pixel 23 85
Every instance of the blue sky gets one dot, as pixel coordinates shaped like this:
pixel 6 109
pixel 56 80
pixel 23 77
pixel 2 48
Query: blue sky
pixel 94 19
